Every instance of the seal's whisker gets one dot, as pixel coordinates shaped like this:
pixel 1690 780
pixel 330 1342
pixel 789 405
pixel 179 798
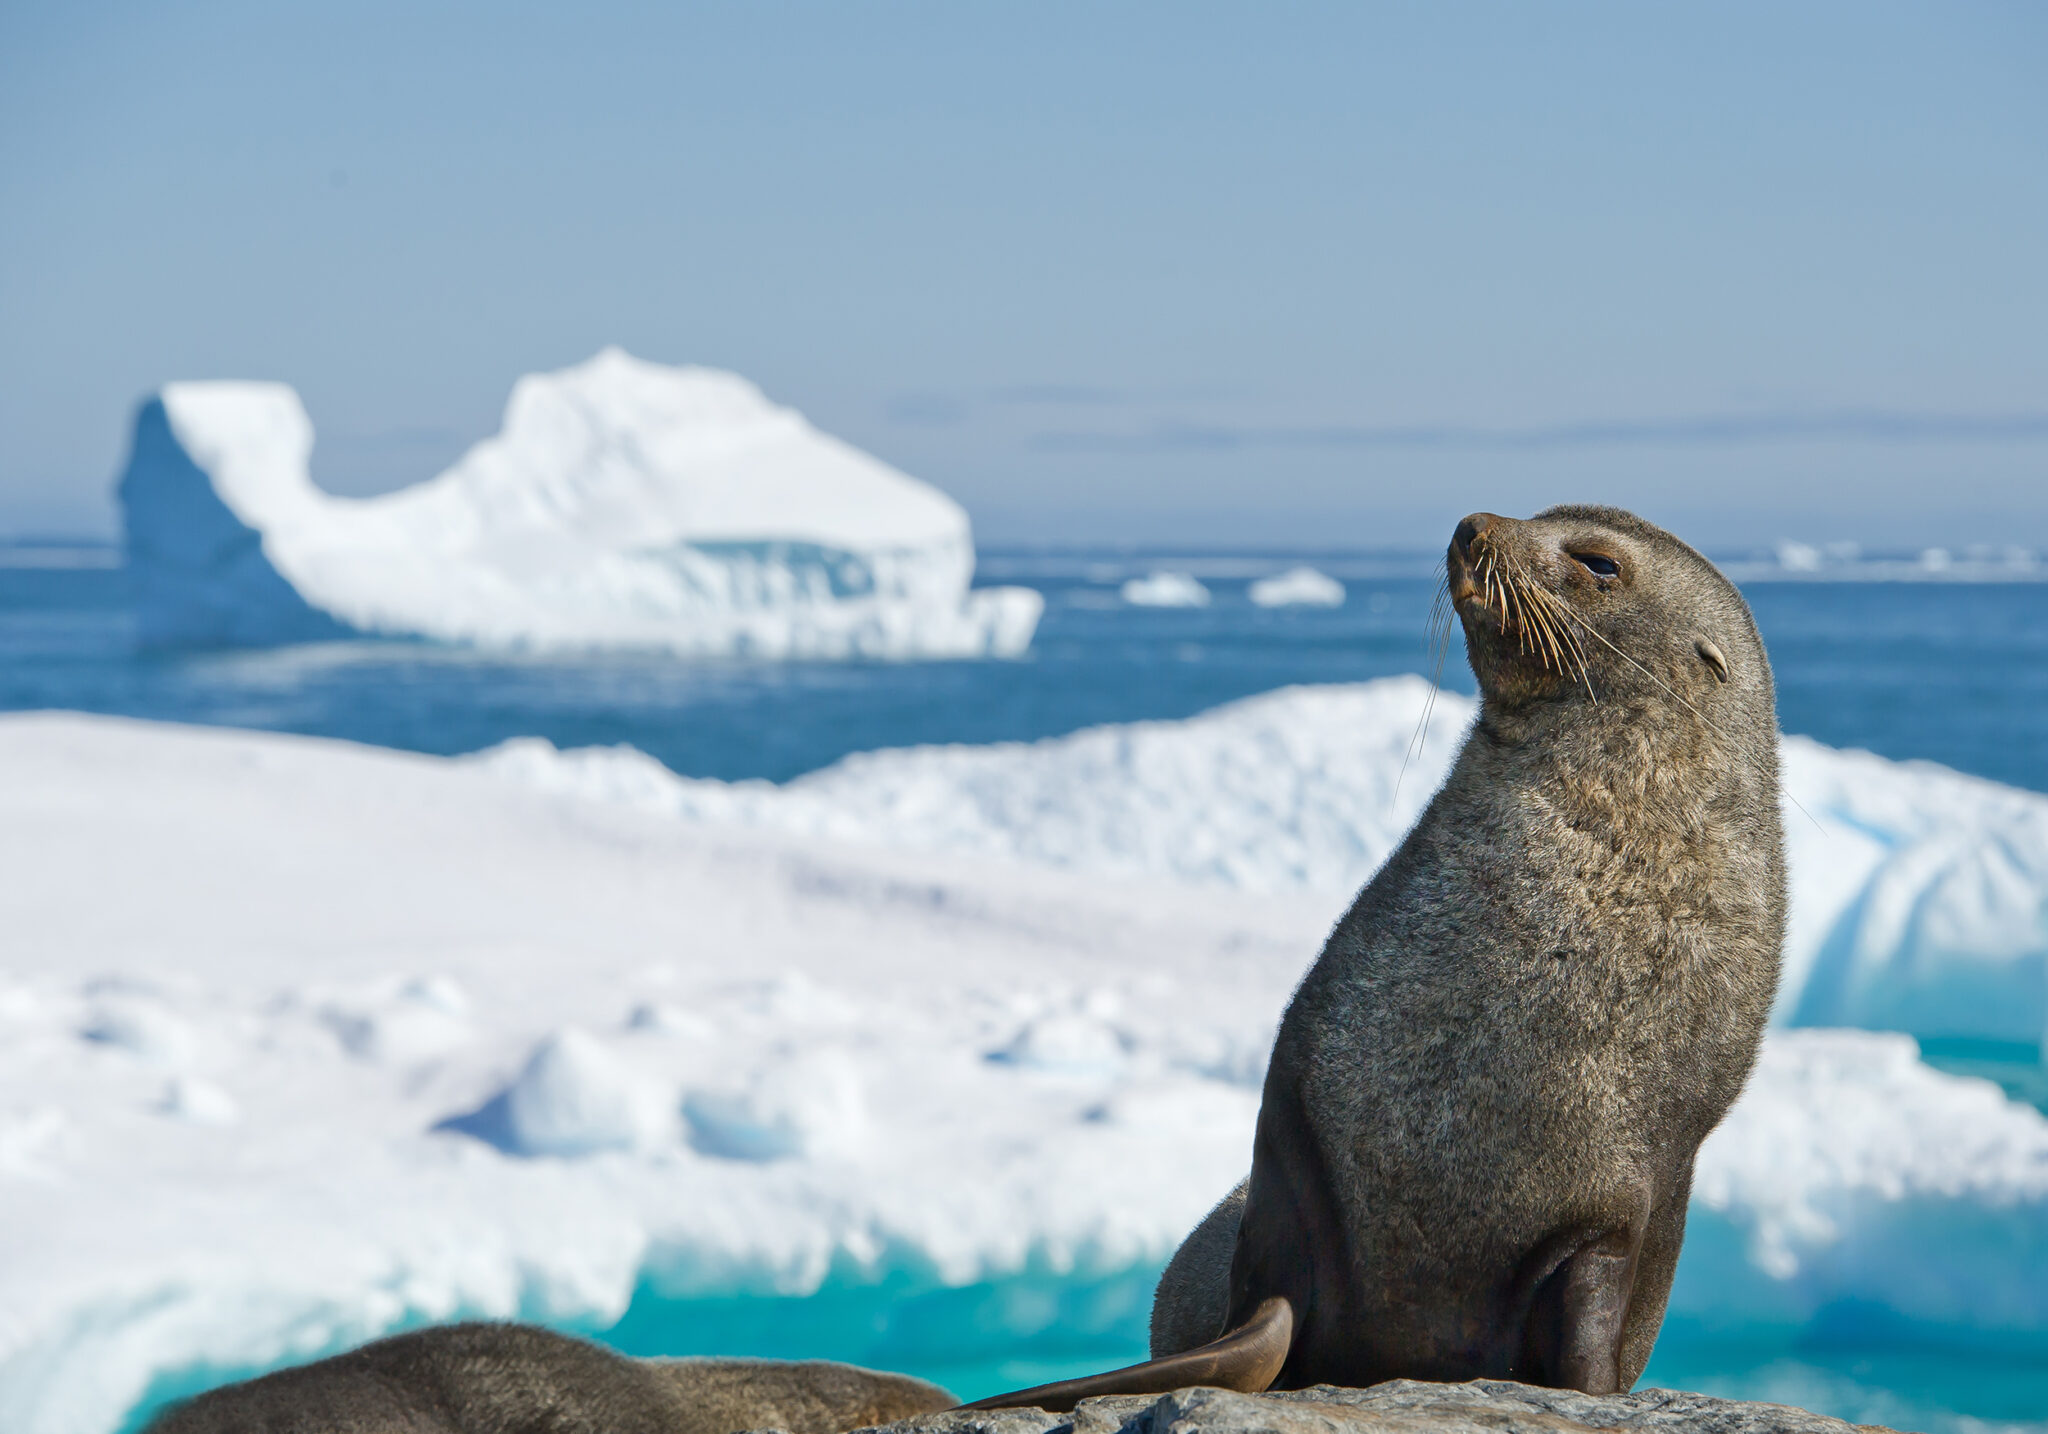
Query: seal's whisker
pixel 1544 609
pixel 1525 639
pixel 1440 623
pixel 1542 625
pixel 1540 630
pixel 1555 613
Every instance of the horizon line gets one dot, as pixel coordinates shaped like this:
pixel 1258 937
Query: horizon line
pixel 1862 425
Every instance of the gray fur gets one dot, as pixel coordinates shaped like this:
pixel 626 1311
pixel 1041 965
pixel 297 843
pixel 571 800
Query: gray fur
pixel 1484 1102
pixel 519 1379
pixel 1194 1290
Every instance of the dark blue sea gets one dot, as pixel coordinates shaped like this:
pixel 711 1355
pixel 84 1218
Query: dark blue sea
pixel 1955 673
pixel 1949 672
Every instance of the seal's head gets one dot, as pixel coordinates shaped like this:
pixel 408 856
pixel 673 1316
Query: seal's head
pixel 1591 605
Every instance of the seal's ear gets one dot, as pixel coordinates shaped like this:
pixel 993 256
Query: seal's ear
pixel 1712 657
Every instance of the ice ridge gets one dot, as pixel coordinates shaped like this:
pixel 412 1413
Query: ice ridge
pixel 1919 895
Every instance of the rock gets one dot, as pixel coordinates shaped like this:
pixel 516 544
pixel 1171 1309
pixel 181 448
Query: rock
pixel 1401 1406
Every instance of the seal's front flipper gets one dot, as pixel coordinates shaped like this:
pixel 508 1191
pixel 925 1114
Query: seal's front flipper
pixel 1248 1359
pixel 1573 1339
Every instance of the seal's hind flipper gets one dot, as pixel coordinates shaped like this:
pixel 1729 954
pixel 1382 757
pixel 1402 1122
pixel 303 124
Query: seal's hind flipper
pixel 1248 1359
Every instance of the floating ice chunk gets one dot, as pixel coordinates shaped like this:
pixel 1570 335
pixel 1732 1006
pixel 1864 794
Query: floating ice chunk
pixel 198 1102
pixel 1165 590
pixel 574 1097
pixel 624 504
pixel 808 1104
pixel 1297 587
pixel 1797 557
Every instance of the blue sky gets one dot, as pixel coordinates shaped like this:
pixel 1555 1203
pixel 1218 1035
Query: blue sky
pixel 1273 273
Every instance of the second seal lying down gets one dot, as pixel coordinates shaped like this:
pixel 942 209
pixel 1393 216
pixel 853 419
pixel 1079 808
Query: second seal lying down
pixel 519 1379
pixel 1479 1123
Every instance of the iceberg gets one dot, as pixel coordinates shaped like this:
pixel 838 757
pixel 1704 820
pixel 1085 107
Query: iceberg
pixel 1297 587
pixel 623 504
pixel 1164 589
pixel 1919 895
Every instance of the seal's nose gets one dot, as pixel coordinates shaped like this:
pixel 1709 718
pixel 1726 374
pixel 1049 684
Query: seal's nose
pixel 1469 530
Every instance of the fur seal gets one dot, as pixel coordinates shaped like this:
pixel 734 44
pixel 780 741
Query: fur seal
pixel 521 1379
pixel 1478 1129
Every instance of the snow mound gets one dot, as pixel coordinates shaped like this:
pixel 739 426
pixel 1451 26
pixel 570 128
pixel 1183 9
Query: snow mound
pixel 1165 590
pixel 624 504
pixel 1919 895
pixel 1297 587
pixel 574 1097
pixel 809 1104
pixel 414 1021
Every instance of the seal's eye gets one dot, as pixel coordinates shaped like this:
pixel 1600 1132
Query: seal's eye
pixel 1598 564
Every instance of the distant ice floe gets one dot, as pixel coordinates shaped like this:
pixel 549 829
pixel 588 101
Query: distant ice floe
pixel 1165 589
pixel 624 504
pixel 1841 561
pixel 1919 895
pixel 1297 587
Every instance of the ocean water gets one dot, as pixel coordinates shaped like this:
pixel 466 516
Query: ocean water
pixel 1950 672
pixel 1955 673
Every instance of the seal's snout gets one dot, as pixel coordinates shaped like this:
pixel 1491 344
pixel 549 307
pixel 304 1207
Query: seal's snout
pixel 1466 545
pixel 1471 529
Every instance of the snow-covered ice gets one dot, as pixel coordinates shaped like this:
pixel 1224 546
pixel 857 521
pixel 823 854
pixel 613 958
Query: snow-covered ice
pixel 1924 900
pixel 301 1041
pixel 1297 587
pixel 1851 1177
pixel 496 1051
pixel 624 504
pixel 1165 589
pixel 1919 895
